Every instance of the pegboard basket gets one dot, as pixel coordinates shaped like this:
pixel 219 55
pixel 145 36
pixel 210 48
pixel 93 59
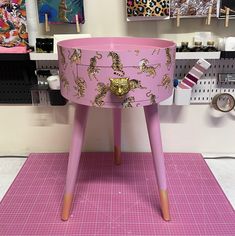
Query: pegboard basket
pixel 182 96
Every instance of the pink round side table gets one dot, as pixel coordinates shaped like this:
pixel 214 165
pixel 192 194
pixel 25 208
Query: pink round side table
pixel 116 73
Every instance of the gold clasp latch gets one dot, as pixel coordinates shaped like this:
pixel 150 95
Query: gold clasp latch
pixel 119 86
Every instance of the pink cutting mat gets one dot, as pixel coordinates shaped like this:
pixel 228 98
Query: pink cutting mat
pixel 116 200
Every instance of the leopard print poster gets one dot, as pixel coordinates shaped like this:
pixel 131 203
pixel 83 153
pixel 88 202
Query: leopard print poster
pixel 148 9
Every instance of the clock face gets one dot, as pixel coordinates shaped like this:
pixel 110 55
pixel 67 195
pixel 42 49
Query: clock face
pixel 223 102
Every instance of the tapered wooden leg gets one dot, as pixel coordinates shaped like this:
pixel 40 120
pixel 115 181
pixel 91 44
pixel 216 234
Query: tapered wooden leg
pixel 80 119
pixel 153 125
pixel 117 135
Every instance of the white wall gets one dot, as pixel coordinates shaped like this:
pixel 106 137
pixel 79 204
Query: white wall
pixel 195 128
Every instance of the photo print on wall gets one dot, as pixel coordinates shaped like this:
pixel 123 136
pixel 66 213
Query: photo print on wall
pixel 13 31
pixel 147 9
pixel 61 11
pixel 192 8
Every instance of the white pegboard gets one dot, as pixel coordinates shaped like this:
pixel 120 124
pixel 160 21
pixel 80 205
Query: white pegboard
pixel 208 86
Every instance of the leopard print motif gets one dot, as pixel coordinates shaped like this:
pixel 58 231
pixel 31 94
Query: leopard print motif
pixel 92 69
pixel 152 97
pixel 148 8
pixel 64 81
pixel 144 67
pixel 80 87
pixel 168 58
pixel 166 82
pixel 117 66
pixel 102 90
pixel 76 56
pixel 128 102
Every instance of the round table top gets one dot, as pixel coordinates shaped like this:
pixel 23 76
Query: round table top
pixel 116 72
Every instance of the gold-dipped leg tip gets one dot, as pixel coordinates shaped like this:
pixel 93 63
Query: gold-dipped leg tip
pixel 165 205
pixel 117 156
pixel 68 198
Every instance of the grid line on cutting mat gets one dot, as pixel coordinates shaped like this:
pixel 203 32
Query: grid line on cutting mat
pixel 116 200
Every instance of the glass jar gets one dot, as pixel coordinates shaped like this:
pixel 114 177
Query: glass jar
pixel 197 47
pixel 39 45
pixel 211 46
pixel 184 47
pixel 44 45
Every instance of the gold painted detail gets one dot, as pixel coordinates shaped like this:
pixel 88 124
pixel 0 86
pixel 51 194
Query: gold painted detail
pixel 102 90
pixel 64 81
pixel 164 202
pixel 117 66
pixel 80 87
pixel 134 84
pixel 156 50
pixel 151 96
pixel 63 60
pixel 76 56
pixel 119 86
pixel 117 155
pixel 148 70
pixel 92 69
pixel 168 58
pixel 128 102
pixel 166 82
pixel 137 51
pixel 68 198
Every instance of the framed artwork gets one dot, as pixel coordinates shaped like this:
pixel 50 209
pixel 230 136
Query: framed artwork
pixel 13 30
pixel 192 8
pixel 222 5
pixel 148 9
pixel 61 11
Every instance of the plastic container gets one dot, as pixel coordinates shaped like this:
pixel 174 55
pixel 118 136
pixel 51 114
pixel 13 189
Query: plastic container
pixel 54 82
pixel 182 96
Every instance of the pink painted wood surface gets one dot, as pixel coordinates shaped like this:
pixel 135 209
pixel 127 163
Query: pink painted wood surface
pixel 80 119
pixel 117 127
pixel 86 65
pixel 153 125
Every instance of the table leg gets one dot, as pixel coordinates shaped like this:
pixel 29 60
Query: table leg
pixel 153 125
pixel 117 135
pixel 80 119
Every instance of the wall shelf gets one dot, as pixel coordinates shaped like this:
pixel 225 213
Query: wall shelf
pixel 197 55
pixel 14 56
pixel 43 56
pixel 179 56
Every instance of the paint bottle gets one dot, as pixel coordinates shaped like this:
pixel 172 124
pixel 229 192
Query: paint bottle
pixel 197 47
pixel 184 47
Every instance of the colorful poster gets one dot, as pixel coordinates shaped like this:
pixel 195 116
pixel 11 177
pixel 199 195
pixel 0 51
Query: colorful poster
pixel 193 8
pixel 61 11
pixel 13 30
pixel 147 9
